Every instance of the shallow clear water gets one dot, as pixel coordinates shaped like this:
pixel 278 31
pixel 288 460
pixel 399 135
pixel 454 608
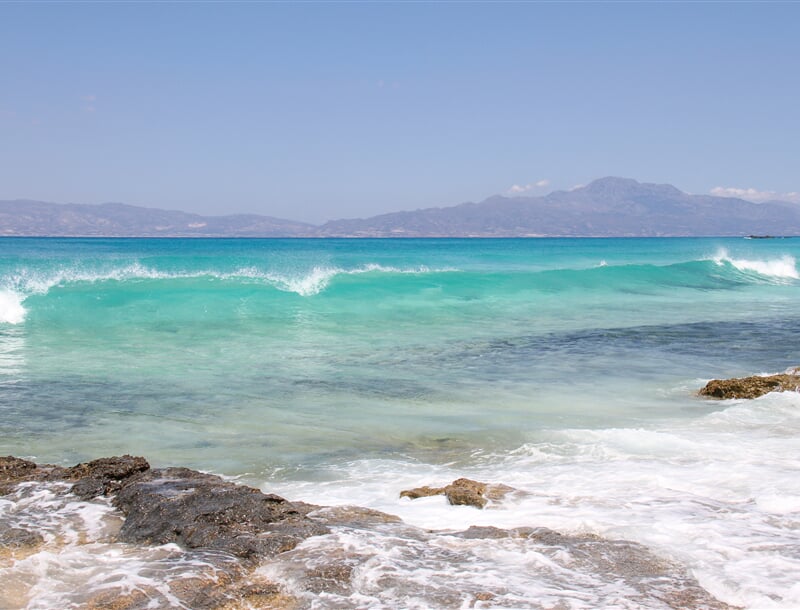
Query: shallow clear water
pixel 341 371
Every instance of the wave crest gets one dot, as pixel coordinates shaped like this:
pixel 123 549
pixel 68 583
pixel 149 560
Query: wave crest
pixel 16 288
pixel 784 267
pixel 318 279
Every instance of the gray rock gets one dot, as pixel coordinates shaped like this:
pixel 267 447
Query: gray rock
pixel 197 510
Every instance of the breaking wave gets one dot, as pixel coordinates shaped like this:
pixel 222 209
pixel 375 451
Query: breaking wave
pixel 784 267
pixel 17 288
pixel 720 271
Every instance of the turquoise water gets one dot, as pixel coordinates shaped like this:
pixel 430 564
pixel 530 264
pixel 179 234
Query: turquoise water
pixel 237 355
pixel 325 368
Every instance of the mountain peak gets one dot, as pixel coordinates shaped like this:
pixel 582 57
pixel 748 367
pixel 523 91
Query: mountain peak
pixel 611 183
pixel 614 186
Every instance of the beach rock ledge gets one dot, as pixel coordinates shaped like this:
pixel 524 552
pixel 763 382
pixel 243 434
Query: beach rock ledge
pixel 753 387
pixel 198 510
pixel 190 508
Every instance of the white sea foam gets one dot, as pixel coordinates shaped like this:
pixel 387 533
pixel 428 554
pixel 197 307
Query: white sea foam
pixel 719 494
pixel 784 267
pixel 77 558
pixel 11 309
pixel 397 566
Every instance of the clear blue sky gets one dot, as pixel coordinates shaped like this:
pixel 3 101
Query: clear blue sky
pixel 315 111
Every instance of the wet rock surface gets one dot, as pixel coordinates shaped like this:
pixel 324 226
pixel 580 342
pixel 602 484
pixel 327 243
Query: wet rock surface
pixel 104 476
pixel 752 387
pixel 462 492
pixel 190 508
pixel 197 510
pixel 15 470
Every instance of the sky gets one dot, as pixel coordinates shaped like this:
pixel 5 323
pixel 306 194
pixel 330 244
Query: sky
pixel 315 111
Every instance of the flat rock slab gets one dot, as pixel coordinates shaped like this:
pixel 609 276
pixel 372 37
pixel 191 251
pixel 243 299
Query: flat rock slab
pixel 197 510
pixel 752 387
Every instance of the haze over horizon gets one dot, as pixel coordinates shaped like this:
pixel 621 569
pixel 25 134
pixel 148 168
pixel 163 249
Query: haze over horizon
pixel 319 111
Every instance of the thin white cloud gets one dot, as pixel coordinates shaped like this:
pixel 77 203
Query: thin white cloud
pixel 520 189
pixel 754 195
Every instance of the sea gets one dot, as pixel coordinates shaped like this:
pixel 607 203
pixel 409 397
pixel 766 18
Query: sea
pixel 343 371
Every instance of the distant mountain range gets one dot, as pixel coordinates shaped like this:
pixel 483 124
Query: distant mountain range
pixel 608 207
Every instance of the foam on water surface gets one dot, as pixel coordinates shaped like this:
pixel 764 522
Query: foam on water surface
pixel 701 493
pixel 70 559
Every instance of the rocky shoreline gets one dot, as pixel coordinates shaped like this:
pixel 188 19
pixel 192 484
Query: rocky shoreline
pixel 250 543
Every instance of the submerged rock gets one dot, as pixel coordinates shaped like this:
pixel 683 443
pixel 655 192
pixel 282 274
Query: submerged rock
pixel 17 537
pixel 204 590
pixel 197 510
pixel 462 492
pixel 401 566
pixel 352 516
pixel 752 387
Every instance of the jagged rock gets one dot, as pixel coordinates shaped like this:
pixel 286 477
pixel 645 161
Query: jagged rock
pixel 14 470
pixel 104 476
pixel 464 492
pixel 197 510
pixel 96 478
pixel 752 387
